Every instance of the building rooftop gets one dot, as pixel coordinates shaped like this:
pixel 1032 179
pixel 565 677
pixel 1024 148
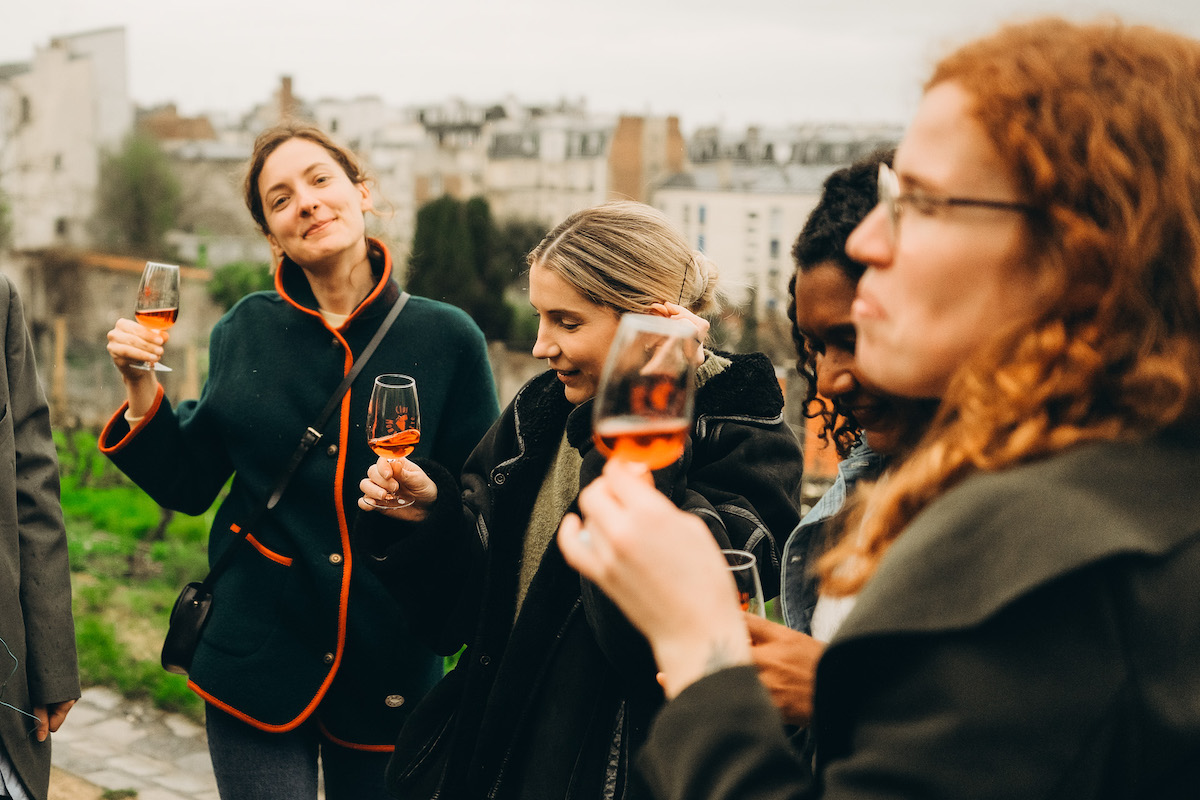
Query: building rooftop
pixel 12 70
pixel 753 178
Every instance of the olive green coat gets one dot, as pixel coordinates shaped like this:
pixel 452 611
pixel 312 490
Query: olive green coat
pixel 35 579
pixel 1035 633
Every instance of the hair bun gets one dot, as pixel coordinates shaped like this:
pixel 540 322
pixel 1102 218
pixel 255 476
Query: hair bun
pixel 703 283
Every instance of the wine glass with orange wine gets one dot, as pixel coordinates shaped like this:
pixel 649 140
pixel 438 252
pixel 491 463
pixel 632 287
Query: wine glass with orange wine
pixel 393 426
pixel 744 567
pixel 157 303
pixel 643 407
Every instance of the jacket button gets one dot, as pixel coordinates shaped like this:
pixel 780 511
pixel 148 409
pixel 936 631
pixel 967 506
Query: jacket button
pixel 335 558
pixel 394 700
pixel 498 478
pixel 485 660
pixel 328 658
pixel 331 451
pixel 335 344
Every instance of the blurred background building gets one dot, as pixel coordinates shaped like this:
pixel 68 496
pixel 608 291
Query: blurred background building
pixel 740 196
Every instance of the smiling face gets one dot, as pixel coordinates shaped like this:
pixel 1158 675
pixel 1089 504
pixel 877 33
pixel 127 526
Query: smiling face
pixel 824 296
pixel 313 210
pixel 574 334
pixel 953 277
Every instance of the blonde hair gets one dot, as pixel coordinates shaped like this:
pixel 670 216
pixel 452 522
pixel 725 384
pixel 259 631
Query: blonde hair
pixel 627 256
pixel 1099 125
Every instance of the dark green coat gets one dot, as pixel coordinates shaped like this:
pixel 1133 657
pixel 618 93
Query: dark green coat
pixel 1035 633
pixel 35 579
pixel 298 626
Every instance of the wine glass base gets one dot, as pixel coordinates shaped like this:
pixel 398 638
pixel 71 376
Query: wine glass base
pixel 397 503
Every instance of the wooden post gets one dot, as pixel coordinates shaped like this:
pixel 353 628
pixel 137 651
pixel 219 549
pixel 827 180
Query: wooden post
pixel 58 383
pixel 191 373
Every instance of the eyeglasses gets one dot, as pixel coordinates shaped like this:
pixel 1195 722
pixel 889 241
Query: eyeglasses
pixel 894 201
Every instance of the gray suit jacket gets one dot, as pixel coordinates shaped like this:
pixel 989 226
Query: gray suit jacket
pixel 35 583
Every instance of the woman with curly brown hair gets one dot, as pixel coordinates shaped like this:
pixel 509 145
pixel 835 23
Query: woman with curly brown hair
pixel 1028 619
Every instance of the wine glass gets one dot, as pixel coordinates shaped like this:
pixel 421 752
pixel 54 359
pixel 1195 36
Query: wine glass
pixel 643 405
pixel 393 426
pixel 744 567
pixel 157 303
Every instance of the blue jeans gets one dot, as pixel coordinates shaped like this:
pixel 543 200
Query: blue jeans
pixel 251 764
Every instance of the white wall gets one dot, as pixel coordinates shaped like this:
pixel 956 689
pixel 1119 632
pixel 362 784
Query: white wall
pixel 70 105
pixel 748 235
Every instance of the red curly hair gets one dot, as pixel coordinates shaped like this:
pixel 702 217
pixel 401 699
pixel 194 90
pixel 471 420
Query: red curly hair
pixel 1100 126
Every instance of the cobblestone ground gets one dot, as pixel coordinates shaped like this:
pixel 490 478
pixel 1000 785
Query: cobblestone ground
pixel 110 743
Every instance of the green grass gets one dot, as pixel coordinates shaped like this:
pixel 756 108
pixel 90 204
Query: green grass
pixel 125 577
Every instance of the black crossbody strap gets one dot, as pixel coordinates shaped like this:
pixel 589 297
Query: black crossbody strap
pixel 311 436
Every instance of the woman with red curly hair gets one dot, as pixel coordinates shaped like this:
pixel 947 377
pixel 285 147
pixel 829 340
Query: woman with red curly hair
pixel 1027 618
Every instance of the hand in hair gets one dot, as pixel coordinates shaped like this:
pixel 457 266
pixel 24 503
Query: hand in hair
pixel 676 311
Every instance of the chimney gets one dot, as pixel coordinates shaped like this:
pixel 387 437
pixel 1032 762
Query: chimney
pixel 287 100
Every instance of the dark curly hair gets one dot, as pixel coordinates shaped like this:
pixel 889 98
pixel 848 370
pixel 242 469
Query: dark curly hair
pixel 847 196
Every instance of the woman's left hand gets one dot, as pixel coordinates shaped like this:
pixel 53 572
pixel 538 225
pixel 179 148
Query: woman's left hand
pixel 676 311
pixel 664 571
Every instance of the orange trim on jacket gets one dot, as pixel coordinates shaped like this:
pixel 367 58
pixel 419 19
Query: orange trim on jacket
pixel 278 558
pixel 371 748
pixel 120 416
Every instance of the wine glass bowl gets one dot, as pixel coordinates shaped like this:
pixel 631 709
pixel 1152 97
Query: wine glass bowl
pixel 643 406
pixel 157 304
pixel 744 567
pixel 393 426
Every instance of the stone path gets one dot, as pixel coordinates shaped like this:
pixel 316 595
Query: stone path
pixel 114 743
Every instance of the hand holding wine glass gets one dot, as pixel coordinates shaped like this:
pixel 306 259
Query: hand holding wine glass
pixel 393 427
pixel 157 304
pixel 643 406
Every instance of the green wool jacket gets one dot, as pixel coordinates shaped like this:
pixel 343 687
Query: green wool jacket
pixel 299 627
pixel 1035 633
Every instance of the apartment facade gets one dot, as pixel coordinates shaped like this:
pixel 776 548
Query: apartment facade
pixel 58 114
pixel 745 196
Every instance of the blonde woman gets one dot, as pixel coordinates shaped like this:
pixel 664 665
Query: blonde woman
pixel 554 692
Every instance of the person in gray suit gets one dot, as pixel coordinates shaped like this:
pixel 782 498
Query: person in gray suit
pixel 39 675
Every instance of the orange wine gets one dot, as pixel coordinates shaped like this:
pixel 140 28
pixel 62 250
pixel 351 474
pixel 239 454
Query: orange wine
pixel 158 319
pixel 744 600
pixel 396 445
pixel 653 442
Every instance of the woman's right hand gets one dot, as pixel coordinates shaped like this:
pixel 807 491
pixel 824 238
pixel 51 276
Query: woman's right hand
pixel 398 477
pixel 130 343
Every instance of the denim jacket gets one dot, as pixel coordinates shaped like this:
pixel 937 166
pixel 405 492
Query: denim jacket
pixel 798 584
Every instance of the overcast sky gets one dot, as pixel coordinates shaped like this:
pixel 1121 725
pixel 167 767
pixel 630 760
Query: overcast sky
pixel 734 63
